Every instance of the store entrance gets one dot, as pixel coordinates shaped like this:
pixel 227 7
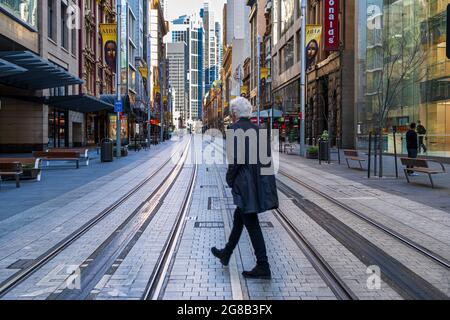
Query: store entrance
pixel 57 128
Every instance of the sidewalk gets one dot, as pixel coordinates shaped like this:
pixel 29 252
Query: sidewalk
pixel 419 190
pixel 61 178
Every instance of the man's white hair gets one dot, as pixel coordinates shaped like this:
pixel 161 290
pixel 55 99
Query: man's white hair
pixel 241 107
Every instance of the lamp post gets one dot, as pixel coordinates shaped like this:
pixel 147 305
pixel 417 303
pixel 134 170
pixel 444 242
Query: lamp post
pixel 118 97
pixel 303 76
pixel 258 59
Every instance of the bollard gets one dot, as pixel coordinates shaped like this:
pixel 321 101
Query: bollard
pixel 395 155
pixel 370 155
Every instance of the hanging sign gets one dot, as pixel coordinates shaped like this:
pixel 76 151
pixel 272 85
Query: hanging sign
pixel 109 38
pixel 331 25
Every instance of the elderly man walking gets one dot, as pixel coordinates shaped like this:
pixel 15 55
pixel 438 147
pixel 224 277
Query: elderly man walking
pixel 253 192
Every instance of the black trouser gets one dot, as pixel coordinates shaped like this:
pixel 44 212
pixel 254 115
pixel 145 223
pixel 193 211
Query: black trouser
pixel 412 153
pixel 251 222
pixel 422 145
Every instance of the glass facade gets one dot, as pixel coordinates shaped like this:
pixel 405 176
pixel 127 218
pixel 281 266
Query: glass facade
pixel 403 75
pixel 24 10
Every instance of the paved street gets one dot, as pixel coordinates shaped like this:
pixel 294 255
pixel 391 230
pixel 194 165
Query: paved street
pixel 142 228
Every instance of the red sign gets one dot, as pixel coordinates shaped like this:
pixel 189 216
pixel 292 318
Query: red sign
pixel 331 25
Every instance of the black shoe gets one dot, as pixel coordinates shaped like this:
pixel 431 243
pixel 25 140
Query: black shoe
pixel 258 272
pixel 222 255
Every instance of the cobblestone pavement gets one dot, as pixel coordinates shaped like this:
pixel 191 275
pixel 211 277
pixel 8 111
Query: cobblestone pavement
pixel 192 272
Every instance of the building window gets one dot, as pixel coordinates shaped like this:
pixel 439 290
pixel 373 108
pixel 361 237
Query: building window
pixel 64 28
pixel 50 19
pixel 287 15
pixel 24 10
pixel 287 56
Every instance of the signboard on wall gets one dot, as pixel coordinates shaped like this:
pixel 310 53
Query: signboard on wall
pixel 331 25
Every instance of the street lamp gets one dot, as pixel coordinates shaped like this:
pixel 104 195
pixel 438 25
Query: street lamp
pixel 118 122
pixel 302 3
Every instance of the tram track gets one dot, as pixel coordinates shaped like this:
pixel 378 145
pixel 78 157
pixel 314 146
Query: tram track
pixel 389 231
pixel 17 278
pixel 403 280
pixel 155 286
pixel 325 271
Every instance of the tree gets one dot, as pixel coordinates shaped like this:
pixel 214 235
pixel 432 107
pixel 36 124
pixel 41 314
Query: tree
pixel 402 54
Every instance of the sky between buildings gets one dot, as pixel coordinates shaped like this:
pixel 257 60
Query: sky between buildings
pixel 176 8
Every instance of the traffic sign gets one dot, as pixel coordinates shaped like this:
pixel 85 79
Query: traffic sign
pixel 118 106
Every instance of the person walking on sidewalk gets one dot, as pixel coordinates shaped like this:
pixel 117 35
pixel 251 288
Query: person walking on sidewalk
pixel 412 144
pixel 421 132
pixel 253 192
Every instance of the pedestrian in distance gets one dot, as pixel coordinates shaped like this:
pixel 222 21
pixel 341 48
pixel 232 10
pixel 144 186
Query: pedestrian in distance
pixel 253 192
pixel 421 132
pixel 412 144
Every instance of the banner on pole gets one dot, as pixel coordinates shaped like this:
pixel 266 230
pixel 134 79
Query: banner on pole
pixel 144 72
pixel 313 36
pixel 108 32
pixel 331 25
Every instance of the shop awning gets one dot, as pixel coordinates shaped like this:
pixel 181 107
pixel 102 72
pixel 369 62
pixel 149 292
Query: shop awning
pixel 8 68
pixel 80 103
pixel 39 73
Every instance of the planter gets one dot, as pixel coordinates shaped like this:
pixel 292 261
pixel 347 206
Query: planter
pixel 31 174
pixel 311 155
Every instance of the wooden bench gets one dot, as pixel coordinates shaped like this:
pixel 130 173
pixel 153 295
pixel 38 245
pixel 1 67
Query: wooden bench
pixel 11 169
pixel 31 167
pixel 354 156
pixel 84 152
pixel 422 166
pixel 58 156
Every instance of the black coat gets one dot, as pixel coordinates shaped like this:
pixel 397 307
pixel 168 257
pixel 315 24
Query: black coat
pixel 411 140
pixel 252 192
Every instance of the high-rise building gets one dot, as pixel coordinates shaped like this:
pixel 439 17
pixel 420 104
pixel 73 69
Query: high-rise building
pixel 176 58
pixel 189 29
pixel 211 46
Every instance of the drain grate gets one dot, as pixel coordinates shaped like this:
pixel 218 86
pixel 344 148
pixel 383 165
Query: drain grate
pixel 209 224
pixel 213 203
pixel 21 264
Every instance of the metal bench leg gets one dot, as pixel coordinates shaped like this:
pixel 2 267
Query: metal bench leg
pixel 348 164
pixel 78 164
pixel 406 174
pixel 360 165
pixel 17 181
pixel 431 180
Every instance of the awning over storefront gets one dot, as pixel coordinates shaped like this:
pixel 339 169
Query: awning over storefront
pixel 80 103
pixel 37 73
pixel 8 68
